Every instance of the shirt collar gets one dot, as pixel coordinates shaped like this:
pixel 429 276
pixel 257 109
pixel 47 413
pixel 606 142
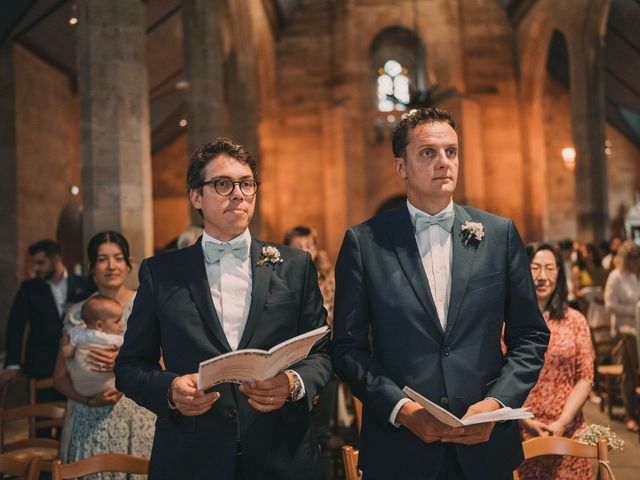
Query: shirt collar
pixel 413 211
pixel 64 277
pixel 243 237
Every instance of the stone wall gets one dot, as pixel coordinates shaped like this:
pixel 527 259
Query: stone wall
pixel 47 149
pixel 170 202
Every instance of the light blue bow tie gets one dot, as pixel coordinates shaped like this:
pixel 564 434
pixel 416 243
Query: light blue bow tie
pixel 213 252
pixel 444 219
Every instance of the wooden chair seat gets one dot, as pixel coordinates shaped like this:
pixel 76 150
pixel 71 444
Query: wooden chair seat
pixel 45 450
pixel 108 462
pixel 40 453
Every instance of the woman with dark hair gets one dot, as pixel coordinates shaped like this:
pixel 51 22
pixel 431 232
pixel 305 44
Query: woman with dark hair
pixel 107 422
pixel 567 376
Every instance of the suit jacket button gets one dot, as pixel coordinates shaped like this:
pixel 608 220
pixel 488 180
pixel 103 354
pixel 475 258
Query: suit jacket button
pixel 446 351
pixel 232 412
pixel 444 401
pixel 315 400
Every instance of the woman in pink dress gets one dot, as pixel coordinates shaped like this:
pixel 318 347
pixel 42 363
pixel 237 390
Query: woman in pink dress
pixel 567 376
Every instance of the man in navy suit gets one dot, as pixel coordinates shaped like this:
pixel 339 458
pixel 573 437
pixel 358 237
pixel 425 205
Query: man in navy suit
pixel 423 293
pixel 41 303
pixel 228 291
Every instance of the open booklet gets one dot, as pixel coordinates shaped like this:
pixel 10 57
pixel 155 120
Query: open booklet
pixel 252 364
pixel 450 419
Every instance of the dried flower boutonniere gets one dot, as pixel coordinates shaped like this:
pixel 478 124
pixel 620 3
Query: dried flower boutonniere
pixel 271 255
pixel 472 232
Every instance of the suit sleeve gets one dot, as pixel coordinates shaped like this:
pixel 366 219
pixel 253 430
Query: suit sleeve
pixel 16 326
pixel 526 334
pixel 351 349
pixel 137 369
pixel 315 370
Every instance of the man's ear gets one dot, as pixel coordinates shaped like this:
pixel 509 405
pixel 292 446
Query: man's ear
pixel 400 167
pixel 196 198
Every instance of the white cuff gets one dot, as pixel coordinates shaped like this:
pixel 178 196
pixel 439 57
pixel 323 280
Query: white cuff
pixel 396 409
pixel 502 405
pixel 12 367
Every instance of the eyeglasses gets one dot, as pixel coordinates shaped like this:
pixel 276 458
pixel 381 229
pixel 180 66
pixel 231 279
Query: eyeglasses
pixel 225 186
pixel 548 269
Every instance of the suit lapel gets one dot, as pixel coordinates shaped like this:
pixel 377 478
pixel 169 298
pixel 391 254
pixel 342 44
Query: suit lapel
pixel 406 249
pixel 48 295
pixel 460 268
pixel 195 277
pixel 261 279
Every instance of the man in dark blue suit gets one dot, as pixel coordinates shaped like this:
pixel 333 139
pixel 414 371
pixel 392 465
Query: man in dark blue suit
pixel 229 291
pixel 41 303
pixel 423 293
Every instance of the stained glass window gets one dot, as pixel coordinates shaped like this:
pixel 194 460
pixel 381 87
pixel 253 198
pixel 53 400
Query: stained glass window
pixel 393 87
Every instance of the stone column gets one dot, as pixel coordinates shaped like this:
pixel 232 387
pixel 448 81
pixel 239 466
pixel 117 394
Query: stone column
pixel 204 60
pixel 9 255
pixel 588 112
pixel 114 121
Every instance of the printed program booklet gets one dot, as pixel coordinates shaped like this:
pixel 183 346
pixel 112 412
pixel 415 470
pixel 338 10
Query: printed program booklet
pixel 251 364
pixel 450 419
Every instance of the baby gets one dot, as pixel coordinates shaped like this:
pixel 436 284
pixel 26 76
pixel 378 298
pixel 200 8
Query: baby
pixel 103 317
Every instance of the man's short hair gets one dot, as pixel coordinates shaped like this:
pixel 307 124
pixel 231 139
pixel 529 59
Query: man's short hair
pixel 417 117
pixel 300 231
pixel 208 152
pixel 50 248
pixel 98 307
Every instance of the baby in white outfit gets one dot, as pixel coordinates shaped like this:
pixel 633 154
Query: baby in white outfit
pixel 103 318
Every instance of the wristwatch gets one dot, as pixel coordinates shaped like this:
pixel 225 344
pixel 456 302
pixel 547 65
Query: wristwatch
pixel 295 392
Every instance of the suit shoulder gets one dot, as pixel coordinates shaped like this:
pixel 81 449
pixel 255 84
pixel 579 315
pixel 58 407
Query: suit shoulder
pixel 167 259
pixel 379 221
pixel 485 217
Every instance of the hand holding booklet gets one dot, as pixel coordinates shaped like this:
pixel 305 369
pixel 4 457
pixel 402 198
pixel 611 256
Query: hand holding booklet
pixel 251 364
pixel 450 419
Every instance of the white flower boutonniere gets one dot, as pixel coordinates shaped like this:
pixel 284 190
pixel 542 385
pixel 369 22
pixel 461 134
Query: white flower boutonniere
pixel 472 232
pixel 270 254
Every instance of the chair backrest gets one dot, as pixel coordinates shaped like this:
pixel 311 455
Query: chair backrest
pixel 108 462
pixel 35 424
pixel 350 460
pixel 358 407
pixel 45 410
pixel 18 468
pixel 566 446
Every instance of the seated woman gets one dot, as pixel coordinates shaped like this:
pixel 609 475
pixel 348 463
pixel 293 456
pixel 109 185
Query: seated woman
pixel 106 422
pixel 621 296
pixel 567 376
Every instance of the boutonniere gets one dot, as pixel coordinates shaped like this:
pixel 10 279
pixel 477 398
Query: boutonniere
pixel 270 254
pixel 472 232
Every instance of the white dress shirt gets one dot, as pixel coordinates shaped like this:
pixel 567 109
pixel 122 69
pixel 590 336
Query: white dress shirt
pixel 434 246
pixel 59 292
pixel 230 286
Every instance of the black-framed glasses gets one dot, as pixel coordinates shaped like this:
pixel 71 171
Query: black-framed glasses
pixel 224 186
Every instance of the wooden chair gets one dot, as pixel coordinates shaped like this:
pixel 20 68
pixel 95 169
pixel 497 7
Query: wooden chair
pixel 566 446
pixel 43 449
pixel 608 375
pixel 108 462
pixel 17 468
pixel 36 423
pixel 358 407
pixel 350 459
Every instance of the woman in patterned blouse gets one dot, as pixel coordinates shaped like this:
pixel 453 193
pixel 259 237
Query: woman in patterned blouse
pixel 567 376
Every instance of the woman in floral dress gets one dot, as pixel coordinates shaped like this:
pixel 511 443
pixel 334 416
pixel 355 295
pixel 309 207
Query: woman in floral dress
pixel 108 422
pixel 567 376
